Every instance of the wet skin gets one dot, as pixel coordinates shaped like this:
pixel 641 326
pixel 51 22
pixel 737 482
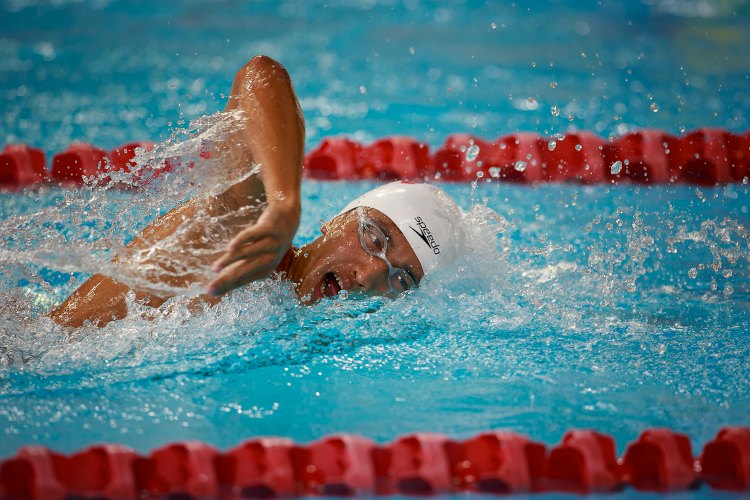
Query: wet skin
pixel 336 261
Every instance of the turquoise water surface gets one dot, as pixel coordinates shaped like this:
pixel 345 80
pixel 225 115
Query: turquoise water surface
pixel 609 307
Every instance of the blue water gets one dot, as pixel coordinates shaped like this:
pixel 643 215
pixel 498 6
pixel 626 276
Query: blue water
pixel 611 307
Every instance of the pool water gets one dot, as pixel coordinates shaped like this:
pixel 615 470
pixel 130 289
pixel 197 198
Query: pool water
pixel 609 307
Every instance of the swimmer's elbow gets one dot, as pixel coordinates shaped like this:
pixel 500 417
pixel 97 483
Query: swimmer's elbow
pixel 267 67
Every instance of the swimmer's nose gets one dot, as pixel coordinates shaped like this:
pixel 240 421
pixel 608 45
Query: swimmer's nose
pixel 372 276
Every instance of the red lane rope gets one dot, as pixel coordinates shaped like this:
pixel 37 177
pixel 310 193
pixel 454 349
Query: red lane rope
pixel 704 156
pixel 584 461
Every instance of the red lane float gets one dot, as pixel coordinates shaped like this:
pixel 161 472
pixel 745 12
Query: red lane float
pixel 338 465
pixel 415 464
pixel 178 470
pixel 585 462
pixel 121 158
pixel 259 468
pixel 79 161
pixel 725 461
pixel 660 460
pixel 643 158
pixel 497 462
pixel 577 157
pixel 21 166
pixel 704 156
pixel 334 158
pixel 98 471
pixel 418 464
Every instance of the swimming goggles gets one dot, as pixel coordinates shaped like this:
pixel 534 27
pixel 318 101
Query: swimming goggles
pixel 375 243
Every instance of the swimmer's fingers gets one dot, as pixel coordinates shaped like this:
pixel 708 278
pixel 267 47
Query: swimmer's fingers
pixel 272 233
pixel 246 251
pixel 241 273
pixel 253 233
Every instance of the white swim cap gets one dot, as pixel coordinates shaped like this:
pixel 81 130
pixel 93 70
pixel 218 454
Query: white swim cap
pixel 428 218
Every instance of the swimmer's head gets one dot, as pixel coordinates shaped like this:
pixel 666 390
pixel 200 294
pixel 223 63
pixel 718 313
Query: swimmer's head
pixel 381 243
pixel 426 216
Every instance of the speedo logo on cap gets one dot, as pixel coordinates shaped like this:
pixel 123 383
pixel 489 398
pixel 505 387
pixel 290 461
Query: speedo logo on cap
pixel 426 235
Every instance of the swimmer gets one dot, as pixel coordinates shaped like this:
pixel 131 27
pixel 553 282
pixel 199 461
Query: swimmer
pixel 382 243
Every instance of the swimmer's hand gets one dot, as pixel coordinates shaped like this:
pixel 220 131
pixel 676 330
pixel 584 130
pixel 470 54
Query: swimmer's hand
pixel 256 251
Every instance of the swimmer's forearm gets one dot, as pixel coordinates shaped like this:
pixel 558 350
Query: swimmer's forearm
pixel 275 132
pixel 275 137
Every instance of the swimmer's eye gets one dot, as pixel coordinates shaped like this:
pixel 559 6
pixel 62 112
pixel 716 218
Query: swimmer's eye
pixel 374 239
pixel 401 280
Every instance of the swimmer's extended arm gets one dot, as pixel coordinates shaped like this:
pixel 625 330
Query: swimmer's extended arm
pixel 272 136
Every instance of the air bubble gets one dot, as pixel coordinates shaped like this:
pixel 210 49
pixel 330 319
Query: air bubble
pixel 616 167
pixel 520 165
pixel 551 145
pixel 495 172
pixel 578 147
pixel 472 152
pixel 555 111
pixel 343 294
pixel 693 273
pixel 654 107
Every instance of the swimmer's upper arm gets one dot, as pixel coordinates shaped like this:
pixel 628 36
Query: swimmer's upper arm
pixel 99 300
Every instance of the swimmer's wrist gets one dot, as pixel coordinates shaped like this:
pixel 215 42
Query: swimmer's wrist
pixel 290 204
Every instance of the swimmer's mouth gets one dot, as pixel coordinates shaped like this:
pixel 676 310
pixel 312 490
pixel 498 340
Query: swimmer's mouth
pixel 331 285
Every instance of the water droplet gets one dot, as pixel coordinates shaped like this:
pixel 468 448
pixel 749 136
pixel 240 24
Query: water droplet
pixel 362 89
pixel 553 85
pixel 693 273
pixel 654 107
pixel 555 111
pixel 578 147
pixel 495 172
pixel 472 152
pixel 480 174
pixel 494 25
pixel 343 294
pixel 616 167
pixel 728 289
pixel 551 145
pixel 520 165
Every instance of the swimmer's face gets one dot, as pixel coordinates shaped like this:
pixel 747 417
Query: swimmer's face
pixel 338 261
